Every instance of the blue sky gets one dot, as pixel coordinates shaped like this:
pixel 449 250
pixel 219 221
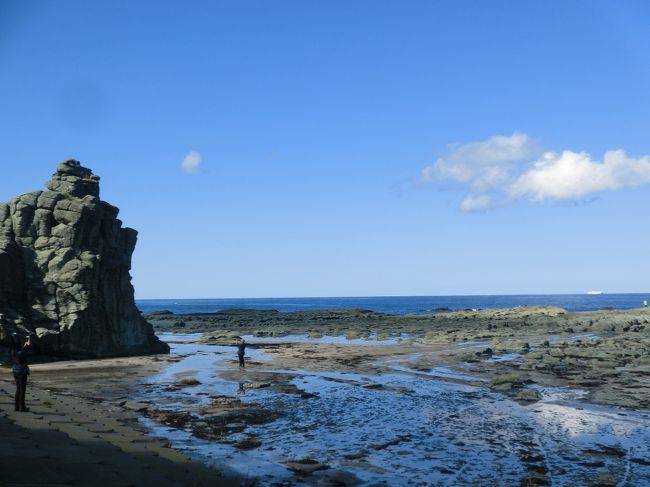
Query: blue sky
pixel 345 147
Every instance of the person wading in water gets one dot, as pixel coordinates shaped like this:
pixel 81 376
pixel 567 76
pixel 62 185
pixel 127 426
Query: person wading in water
pixel 241 351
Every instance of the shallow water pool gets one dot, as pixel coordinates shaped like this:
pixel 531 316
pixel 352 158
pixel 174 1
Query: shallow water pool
pixel 406 428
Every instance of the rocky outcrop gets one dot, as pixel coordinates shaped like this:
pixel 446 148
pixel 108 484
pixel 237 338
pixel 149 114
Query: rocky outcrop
pixel 64 271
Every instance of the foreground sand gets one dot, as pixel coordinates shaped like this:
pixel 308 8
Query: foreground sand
pixel 71 436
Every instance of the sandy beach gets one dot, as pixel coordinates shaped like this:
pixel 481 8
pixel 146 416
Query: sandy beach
pixel 76 432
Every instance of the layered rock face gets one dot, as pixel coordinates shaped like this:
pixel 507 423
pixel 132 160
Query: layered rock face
pixel 64 271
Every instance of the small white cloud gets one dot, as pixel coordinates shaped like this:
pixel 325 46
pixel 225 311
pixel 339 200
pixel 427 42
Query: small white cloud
pixel 502 169
pixel 476 203
pixel 191 163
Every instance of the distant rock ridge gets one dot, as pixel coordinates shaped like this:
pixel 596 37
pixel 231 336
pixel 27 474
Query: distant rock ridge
pixel 64 272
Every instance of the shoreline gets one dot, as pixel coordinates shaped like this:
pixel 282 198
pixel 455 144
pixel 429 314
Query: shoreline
pixel 95 407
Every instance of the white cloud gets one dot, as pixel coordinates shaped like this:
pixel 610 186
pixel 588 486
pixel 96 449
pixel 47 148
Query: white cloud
pixel 502 169
pixel 482 165
pixel 573 175
pixel 476 202
pixel 191 163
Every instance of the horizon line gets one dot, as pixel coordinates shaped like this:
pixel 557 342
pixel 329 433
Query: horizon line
pixel 583 293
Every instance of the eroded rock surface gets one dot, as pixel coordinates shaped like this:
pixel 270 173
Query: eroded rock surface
pixel 64 271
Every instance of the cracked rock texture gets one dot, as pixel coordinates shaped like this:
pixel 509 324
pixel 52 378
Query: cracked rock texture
pixel 64 272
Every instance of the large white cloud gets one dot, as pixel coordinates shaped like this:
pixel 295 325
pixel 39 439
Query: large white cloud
pixel 505 168
pixel 574 175
pixel 191 163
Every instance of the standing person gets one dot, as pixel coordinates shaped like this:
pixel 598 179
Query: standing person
pixel 241 351
pixel 20 370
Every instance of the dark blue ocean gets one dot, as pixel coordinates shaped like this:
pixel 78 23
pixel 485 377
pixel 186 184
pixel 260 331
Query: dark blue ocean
pixel 398 304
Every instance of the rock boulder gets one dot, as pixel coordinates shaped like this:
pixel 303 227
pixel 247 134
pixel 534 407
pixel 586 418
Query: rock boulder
pixel 64 272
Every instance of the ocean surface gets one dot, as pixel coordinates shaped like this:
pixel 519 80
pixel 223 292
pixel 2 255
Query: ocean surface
pixel 399 304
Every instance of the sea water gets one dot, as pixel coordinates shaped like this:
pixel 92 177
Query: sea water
pixel 398 304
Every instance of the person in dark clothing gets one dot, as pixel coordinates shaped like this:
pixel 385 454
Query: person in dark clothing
pixel 241 351
pixel 20 370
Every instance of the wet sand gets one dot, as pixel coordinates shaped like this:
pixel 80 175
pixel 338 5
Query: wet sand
pixel 79 432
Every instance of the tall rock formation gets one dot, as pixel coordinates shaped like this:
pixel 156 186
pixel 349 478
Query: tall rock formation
pixel 64 271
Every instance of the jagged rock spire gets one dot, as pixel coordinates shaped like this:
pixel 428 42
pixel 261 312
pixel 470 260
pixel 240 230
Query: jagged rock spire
pixel 64 271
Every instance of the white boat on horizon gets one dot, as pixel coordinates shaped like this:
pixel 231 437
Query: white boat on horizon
pixel 595 293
